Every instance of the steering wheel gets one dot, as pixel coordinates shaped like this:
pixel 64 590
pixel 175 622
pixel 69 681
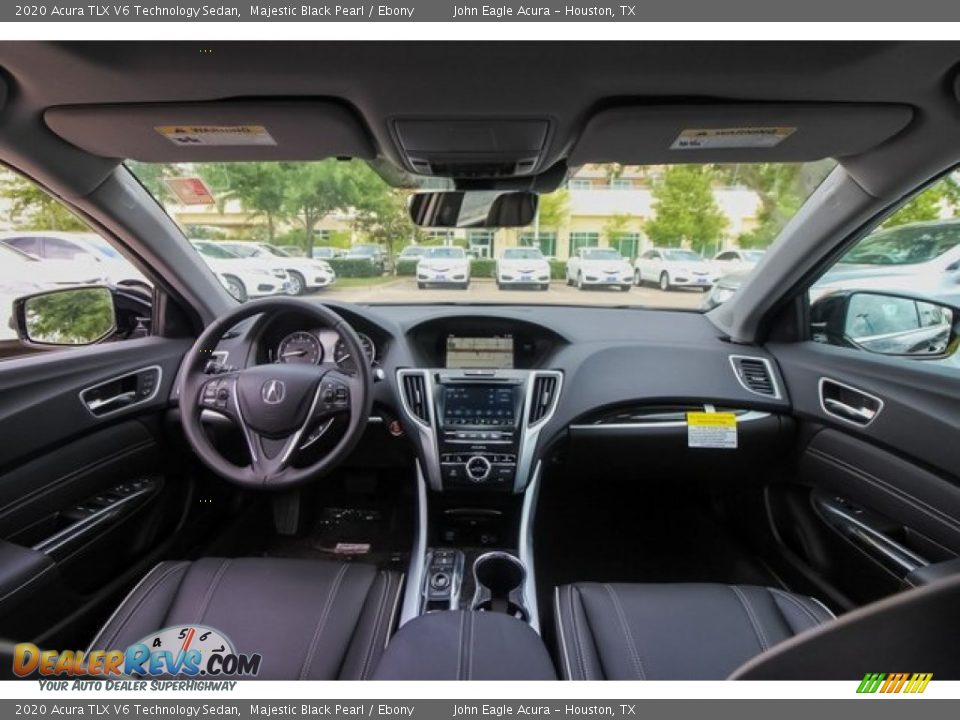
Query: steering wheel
pixel 275 405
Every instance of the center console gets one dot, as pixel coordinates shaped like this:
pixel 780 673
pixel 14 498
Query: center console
pixel 479 427
pixel 478 430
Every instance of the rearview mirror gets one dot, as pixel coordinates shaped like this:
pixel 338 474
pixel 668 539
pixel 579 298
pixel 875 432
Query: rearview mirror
pixel 68 316
pixel 887 324
pixel 473 209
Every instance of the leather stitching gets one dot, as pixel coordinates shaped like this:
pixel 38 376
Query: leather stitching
pixel 754 622
pixel 575 627
pixel 470 648
pixel 211 589
pixel 133 609
pixel 796 603
pixel 364 668
pixel 463 620
pixel 631 645
pixel 322 621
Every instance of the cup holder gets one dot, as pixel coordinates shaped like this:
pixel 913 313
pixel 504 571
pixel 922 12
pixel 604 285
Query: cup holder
pixel 499 579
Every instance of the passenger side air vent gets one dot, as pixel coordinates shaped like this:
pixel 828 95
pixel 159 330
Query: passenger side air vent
pixel 755 374
pixel 544 396
pixel 415 393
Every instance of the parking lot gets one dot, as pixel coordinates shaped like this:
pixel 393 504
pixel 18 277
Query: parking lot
pixel 404 290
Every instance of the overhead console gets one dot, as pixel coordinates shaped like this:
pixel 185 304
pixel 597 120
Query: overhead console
pixel 473 148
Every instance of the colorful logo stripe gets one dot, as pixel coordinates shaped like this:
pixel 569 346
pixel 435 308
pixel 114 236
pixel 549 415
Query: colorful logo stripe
pixel 894 682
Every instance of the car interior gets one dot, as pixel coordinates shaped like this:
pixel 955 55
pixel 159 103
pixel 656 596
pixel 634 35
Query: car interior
pixel 510 491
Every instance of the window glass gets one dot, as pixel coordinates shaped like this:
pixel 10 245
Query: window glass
pixel 894 290
pixel 44 247
pixel 349 206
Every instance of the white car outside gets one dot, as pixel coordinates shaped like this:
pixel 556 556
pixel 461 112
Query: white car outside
pixel 599 267
pixel 671 268
pixel 243 279
pixel 732 261
pixel 83 248
pixel 523 266
pixel 305 274
pixel 22 274
pixel 444 266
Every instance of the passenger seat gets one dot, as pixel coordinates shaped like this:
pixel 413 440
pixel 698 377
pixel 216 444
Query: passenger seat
pixel 713 632
pixel 609 631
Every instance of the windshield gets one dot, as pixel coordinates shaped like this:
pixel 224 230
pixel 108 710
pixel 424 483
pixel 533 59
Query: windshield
pixel 347 213
pixel 103 248
pixel 446 252
pixel 602 255
pixel 681 256
pixel 215 251
pixel 906 245
pixel 522 254
pixel 241 249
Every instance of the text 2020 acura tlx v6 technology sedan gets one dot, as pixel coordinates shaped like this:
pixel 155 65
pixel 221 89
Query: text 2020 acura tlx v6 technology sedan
pixel 381 481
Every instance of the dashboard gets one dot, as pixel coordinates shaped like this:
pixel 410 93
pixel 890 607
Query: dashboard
pixel 292 339
pixel 467 381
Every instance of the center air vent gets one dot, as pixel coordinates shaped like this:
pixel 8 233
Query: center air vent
pixel 544 396
pixel 755 374
pixel 415 393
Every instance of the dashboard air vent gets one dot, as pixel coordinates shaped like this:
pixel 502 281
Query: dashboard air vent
pixel 544 396
pixel 415 392
pixel 755 375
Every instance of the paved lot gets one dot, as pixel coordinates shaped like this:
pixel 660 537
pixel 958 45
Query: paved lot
pixel 404 290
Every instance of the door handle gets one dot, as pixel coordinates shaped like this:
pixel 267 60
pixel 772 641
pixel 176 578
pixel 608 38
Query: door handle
pixel 100 405
pixel 862 414
pixel 848 403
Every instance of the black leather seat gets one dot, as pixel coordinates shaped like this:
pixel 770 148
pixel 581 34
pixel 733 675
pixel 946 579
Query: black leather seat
pixel 310 620
pixel 465 645
pixel 673 631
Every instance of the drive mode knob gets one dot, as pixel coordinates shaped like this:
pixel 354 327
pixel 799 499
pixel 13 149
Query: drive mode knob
pixel 478 468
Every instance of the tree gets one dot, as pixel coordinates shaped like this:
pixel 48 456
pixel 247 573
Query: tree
pixel 781 188
pixel 554 209
pixel 685 209
pixel 260 187
pixel 314 190
pixel 930 204
pixel 381 215
pixel 31 208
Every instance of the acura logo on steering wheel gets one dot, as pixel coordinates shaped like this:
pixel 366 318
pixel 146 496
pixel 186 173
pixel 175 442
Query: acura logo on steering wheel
pixel 273 392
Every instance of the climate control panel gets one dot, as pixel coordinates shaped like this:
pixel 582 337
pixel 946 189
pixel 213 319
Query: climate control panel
pixel 476 468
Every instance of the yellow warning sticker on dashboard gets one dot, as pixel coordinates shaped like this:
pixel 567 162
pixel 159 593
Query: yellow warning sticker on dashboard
pixel 712 430
pixel 216 135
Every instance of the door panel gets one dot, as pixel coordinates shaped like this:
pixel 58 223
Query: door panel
pixel 85 504
pixel 875 491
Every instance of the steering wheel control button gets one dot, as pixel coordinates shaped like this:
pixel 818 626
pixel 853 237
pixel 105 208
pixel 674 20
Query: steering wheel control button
pixel 478 468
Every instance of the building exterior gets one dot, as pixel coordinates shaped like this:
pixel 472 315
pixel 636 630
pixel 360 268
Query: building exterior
pixel 603 209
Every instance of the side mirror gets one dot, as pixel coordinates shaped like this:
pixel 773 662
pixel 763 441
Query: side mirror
pixel 67 316
pixel 886 323
pixel 473 209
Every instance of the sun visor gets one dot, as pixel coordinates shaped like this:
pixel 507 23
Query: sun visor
pixel 654 135
pixel 222 131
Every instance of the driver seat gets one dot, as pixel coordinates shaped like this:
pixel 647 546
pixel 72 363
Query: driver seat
pixel 308 619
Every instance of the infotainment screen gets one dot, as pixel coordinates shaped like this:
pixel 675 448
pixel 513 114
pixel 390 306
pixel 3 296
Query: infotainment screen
pixel 478 405
pixel 480 352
